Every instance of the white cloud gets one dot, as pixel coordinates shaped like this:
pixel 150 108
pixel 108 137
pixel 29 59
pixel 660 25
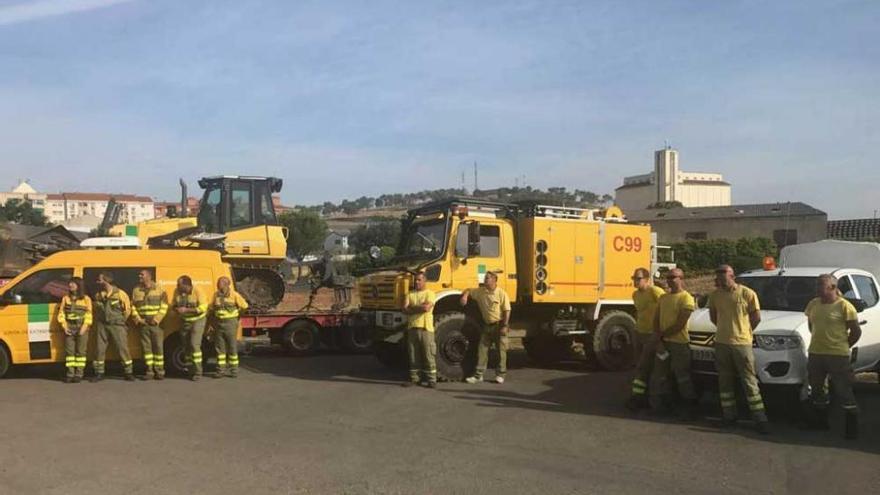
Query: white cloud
pixel 31 11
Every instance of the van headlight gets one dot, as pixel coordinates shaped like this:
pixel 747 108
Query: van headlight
pixel 777 342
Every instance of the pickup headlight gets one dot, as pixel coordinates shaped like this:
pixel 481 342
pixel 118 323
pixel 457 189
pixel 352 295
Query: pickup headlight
pixel 777 342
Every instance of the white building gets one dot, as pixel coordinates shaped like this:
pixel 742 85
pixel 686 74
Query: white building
pixel 336 242
pixel 66 206
pixel 668 183
pixel 25 192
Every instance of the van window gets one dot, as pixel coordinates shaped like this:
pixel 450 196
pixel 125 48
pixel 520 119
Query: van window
pixel 867 290
pixel 124 278
pixel 44 286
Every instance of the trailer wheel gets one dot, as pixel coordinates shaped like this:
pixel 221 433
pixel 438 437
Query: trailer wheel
pixel 5 360
pixel 300 337
pixel 356 339
pixel 547 350
pixel 175 359
pixel 456 336
pixel 614 341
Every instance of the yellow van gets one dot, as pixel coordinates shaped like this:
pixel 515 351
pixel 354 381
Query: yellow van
pixel 29 332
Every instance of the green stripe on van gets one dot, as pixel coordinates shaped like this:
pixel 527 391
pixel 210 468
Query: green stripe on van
pixel 38 313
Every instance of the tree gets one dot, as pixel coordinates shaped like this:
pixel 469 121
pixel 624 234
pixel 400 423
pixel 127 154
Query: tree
pixel 22 212
pixel 382 233
pixel 307 231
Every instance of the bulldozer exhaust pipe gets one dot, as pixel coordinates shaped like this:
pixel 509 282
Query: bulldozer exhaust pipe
pixel 183 212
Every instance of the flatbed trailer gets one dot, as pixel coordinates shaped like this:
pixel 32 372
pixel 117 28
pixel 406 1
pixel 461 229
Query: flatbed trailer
pixel 306 332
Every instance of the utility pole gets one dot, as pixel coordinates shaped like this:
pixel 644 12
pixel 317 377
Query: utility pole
pixel 476 184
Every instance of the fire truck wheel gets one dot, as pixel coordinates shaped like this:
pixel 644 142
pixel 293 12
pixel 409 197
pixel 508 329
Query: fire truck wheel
pixel 547 350
pixel 356 339
pixel 613 341
pixel 300 337
pixel 456 337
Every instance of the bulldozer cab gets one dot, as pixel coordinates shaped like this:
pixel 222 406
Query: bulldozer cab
pixel 232 203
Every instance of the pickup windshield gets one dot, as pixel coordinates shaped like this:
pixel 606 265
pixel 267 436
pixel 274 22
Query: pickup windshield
pixel 782 293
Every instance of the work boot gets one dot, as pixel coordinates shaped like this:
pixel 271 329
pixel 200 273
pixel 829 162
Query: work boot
pixel 68 379
pixel 217 374
pixel 408 383
pixel 851 425
pixel 97 378
pixel 762 427
pixel 195 378
pixel 129 377
pixel 77 379
pixel 432 384
pixel 499 379
pixel 637 403
pixel 473 379
pixel 159 376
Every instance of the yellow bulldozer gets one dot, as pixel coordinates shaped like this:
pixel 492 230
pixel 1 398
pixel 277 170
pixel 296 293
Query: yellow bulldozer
pixel 236 217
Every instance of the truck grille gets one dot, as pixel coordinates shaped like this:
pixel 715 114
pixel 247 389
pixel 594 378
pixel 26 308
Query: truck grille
pixel 379 292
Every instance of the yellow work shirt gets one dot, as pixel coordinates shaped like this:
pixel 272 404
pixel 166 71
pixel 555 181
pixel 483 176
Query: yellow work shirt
pixel 75 311
pixel 491 303
pixel 645 302
pixel 732 308
pixel 194 299
pixel 828 326
pixel 669 307
pixel 420 320
pixel 226 306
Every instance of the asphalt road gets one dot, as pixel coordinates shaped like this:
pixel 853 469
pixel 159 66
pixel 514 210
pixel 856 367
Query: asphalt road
pixel 341 424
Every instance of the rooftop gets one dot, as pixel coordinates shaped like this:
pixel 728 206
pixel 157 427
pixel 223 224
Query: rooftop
pixel 80 196
pixel 734 211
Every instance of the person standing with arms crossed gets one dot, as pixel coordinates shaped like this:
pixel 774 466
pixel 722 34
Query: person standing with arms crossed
pixel 113 309
pixel 495 308
pixel 422 349
pixel 226 306
pixel 75 317
pixel 735 311
pixel 671 326
pixel 834 325
pixel 149 304
pixel 645 299
pixel 191 306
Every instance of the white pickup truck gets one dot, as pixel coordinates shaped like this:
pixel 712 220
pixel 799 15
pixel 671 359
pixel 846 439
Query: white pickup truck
pixel 782 338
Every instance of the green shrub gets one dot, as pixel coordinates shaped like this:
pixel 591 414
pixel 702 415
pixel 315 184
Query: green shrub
pixel 742 254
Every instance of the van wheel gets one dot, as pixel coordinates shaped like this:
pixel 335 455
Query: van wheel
pixel 300 337
pixel 614 341
pixel 5 360
pixel 456 336
pixel 175 358
pixel 356 339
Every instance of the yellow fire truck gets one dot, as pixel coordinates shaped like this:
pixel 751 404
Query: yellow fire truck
pixel 567 271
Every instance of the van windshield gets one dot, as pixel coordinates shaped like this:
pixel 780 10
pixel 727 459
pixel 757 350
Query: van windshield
pixel 782 293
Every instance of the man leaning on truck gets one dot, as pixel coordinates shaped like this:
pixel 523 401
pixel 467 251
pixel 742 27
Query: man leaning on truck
pixel 421 348
pixel 645 299
pixel 495 308
pixel 735 311
pixel 190 304
pixel 834 325
pixel 671 326
pixel 148 307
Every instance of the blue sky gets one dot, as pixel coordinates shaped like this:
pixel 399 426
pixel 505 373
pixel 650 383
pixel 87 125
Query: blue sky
pixel 344 99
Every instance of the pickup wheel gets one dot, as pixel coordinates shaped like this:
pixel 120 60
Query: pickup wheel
pixel 300 337
pixel 456 336
pixel 614 341
pixel 5 360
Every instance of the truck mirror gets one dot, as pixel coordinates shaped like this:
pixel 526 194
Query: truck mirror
pixel 375 252
pixel 473 239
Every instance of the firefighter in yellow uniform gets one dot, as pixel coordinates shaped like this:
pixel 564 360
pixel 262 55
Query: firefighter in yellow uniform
pixel 190 304
pixel 736 311
pixel 113 308
pixel 149 303
pixel 645 299
pixel 495 308
pixel 834 325
pixel 420 344
pixel 673 351
pixel 225 307
pixel 75 318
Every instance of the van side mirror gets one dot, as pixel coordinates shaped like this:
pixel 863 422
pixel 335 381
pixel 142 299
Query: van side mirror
pixel 473 239
pixel 859 304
